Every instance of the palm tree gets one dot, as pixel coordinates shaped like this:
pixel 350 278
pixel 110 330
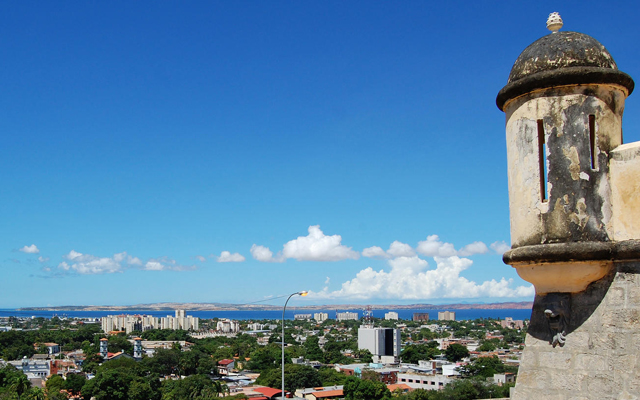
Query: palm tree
pixel 19 384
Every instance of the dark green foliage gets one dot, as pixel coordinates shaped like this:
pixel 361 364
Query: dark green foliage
pixel 313 352
pixel 165 334
pixel 295 377
pixel 416 352
pixel 487 366
pixel 456 352
pixel 331 377
pixel 359 389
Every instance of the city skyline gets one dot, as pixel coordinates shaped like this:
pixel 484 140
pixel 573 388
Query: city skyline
pixel 235 153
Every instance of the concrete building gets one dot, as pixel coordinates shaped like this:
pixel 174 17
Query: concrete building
pixel 391 315
pixel 446 316
pixel 424 381
pixel 511 323
pixel 321 317
pixel 130 323
pixel 421 316
pixel 302 317
pixel 346 316
pixel 575 217
pixel 228 326
pixel 383 343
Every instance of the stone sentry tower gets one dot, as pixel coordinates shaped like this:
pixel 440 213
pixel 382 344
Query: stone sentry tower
pixel 574 200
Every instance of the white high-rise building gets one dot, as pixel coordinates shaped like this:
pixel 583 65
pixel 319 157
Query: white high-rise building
pixel 321 316
pixel 228 326
pixel 383 343
pixel 346 316
pixel 447 316
pixel 391 315
pixel 130 323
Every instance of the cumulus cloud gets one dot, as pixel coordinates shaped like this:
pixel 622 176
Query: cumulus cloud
pixel 473 248
pixel 89 264
pixel 433 247
pixel 226 256
pixel 374 252
pixel 33 249
pixel 500 247
pixel 262 253
pixel 410 279
pixel 43 259
pixel 165 264
pixel 317 246
pixel 399 249
pixel 201 258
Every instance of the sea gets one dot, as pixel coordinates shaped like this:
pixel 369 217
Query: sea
pixel 407 314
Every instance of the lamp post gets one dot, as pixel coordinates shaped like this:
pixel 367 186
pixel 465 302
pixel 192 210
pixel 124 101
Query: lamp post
pixel 303 293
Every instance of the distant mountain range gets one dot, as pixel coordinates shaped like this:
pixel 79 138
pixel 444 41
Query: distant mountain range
pixel 255 307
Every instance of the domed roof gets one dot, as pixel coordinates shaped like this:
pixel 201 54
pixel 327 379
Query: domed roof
pixel 562 58
pixel 560 50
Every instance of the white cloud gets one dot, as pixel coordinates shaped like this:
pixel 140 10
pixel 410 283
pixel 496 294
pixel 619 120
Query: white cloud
pixel 500 247
pixel 262 253
pixel 433 247
pixel 165 264
pixel 375 252
pixel 201 258
pixel 226 256
pixel 399 249
pixel 409 279
pixel 473 248
pixel 33 249
pixel 318 247
pixel 88 264
pixel 129 260
pixel 43 259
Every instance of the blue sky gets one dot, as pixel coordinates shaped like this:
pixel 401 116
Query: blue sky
pixel 234 151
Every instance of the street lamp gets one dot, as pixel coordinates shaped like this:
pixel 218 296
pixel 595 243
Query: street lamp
pixel 303 293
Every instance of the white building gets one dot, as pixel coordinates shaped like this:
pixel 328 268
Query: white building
pixel 227 326
pixel 130 323
pixel 447 316
pixel 346 316
pixel 383 343
pixel 391 315
pixel 424 381
pixel 321 316
pixel 302 317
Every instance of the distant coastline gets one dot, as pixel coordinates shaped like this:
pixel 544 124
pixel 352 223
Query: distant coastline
pixel 263 307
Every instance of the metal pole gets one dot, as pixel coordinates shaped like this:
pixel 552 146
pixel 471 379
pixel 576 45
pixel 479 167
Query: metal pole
pixel 282 340
pixel 303 293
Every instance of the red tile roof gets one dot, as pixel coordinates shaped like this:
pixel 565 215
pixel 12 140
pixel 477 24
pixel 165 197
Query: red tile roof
pixel 267 391
pixel 226 361
pixel 328 393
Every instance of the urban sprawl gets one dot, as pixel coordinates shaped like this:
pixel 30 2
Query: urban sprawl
pixel 341 356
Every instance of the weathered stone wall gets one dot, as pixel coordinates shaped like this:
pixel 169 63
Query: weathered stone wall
pixel 625 181
pixel 576 205
pixel 600 358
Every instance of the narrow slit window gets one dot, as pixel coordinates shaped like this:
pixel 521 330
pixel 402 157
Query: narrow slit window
pixel 592 141
pixel 542 157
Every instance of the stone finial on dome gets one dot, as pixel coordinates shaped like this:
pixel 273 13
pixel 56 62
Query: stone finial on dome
pixel 554 22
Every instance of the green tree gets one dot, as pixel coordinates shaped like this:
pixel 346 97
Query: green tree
pixel 358 389
pixel 54 385
pixel 295 377
pixel 312 349
pixel 416 352
pixel 456 352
